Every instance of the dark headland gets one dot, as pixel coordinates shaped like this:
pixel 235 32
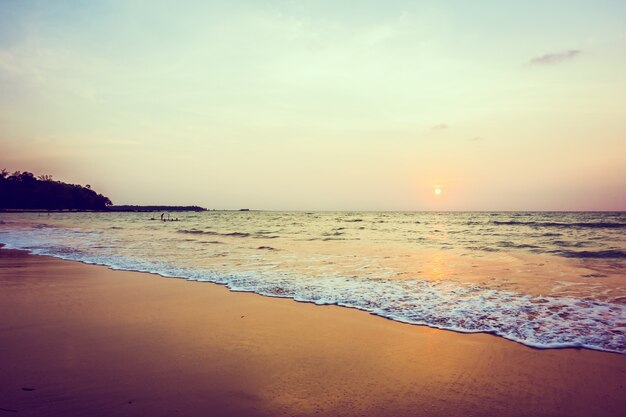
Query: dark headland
pixel 23 191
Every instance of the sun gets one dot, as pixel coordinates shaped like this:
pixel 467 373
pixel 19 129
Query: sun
pixel 438 191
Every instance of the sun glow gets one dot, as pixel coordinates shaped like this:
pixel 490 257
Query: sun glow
pixel 438 191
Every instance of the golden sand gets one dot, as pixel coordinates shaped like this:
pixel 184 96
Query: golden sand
pixel 82 340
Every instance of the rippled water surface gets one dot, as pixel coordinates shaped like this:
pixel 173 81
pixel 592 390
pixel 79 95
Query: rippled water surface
pixel 542 279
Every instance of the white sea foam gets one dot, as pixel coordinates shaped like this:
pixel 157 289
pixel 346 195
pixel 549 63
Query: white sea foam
pixel 129 242
pixel 541 322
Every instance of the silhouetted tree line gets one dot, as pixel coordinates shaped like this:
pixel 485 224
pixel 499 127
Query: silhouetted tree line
pixel 22 190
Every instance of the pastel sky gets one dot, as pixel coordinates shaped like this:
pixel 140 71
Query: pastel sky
pixel 321 105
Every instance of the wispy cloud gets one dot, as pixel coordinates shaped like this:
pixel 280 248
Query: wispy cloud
pixel 477 139
pixel 555 57
pixel 440 126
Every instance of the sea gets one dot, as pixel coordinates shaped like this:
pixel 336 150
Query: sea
pixel 543 279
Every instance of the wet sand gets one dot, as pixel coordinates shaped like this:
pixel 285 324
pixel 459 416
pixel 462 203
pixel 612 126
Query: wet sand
pixel 83 340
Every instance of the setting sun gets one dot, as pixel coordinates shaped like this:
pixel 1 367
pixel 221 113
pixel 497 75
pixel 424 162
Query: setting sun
pixel 437 191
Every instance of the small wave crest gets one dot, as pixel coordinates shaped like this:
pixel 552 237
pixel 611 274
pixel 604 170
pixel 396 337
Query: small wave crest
pixel 197 232
pixel 211 233
pixel 601 254
pixel 590 225
pixel 509 244
pixel 483 248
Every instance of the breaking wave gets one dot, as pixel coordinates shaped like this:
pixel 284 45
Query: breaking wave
pixel 590 225
pixel 555 321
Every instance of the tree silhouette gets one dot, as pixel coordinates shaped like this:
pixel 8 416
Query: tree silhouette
pixel 22 190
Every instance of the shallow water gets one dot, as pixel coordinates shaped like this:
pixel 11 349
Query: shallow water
pixel 543 279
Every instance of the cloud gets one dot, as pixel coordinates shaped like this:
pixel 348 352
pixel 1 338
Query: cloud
pixel 440 126
pixel 477 139
pixel 555 58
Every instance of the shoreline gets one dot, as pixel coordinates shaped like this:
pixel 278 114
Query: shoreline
pixel 95 341
pixel 227 285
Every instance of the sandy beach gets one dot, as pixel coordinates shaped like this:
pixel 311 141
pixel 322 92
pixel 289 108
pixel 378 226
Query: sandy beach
pixel 83 340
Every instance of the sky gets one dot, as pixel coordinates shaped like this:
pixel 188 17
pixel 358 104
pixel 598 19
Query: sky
pixel 320 105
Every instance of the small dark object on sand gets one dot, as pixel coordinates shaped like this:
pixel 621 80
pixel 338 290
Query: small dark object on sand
pixel 28 389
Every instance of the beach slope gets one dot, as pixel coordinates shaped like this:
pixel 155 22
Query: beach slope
pixel 84 340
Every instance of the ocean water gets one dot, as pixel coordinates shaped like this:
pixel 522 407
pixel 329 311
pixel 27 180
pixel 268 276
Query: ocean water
pixel 547 280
